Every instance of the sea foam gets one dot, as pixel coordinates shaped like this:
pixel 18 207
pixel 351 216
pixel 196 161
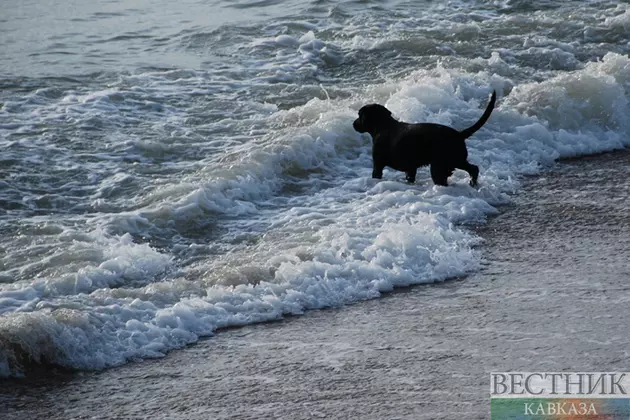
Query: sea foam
pixel 306 226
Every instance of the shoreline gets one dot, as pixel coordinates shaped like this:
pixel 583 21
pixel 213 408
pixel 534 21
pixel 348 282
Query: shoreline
pixel 541 301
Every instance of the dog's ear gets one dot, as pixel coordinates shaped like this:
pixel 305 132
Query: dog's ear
pixel 374 111
pixel 374 116
pixel 380 112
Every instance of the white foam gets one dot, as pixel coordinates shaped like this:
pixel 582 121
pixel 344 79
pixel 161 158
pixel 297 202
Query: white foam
pixel 620 21
pixel 335 237
pixel 101 262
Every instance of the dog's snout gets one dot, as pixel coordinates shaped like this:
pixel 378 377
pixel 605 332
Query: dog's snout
pixel 357 126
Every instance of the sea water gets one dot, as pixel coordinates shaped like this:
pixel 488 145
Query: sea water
pixel 168 169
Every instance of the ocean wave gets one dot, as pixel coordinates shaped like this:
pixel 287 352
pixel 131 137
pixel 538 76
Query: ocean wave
pixel 242 208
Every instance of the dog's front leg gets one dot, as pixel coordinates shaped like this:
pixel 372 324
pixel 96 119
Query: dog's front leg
pixel 411 176
pixel 377 171
pixel 379 157
pixel 439 174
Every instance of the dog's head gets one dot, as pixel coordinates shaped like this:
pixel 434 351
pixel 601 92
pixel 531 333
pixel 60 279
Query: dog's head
pixel 372 118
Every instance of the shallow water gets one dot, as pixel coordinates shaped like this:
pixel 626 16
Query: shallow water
pixel 551 296
pixel 171 169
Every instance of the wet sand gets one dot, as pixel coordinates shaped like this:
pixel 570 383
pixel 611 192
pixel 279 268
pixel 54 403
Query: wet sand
pixel 553 295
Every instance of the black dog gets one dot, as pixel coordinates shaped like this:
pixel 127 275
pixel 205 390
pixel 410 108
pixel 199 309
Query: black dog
pixel 406 147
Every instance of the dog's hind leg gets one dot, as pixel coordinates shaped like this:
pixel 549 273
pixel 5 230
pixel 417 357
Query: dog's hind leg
pixel 439 174
pixel 411 176
pixel 473 171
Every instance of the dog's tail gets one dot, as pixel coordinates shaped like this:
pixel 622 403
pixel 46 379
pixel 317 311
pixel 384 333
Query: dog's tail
pixel 472 129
